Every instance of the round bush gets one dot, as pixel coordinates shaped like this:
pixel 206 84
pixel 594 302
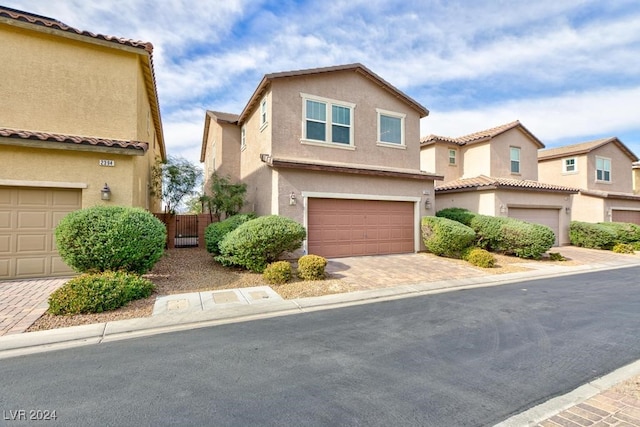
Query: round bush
pixel 446 237
pixel 260 241
pixel 457 214
pixel 215 232
pixel 103 238
pixel 98 292
pixel 278 272
pixel 311 267
pixel 481 258
pixel 623 248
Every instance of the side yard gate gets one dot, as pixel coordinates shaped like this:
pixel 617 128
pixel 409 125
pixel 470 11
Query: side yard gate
pixel 185 231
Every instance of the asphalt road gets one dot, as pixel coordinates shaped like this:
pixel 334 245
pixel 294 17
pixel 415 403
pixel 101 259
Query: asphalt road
pixel 463 358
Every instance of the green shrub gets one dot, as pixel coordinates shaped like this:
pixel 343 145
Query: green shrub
pixel 216 231
pixel 103 238
pixel 556 256
pixel 623 248
pixel 98 292
pixel 636 246
pixel 589 235
pixel 512 236
pixel 480 258
pixel 625 232
pixel 277 273
pixel 457 214
pixel 311 267
pixel 446 237
pixel 260 241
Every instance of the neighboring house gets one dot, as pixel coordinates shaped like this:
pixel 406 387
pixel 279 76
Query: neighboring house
pixel 336 149
pixel 79 110
pixel 603 171
pixel 495 172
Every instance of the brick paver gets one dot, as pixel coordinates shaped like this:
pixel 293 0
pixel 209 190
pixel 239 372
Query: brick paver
pixel 608 409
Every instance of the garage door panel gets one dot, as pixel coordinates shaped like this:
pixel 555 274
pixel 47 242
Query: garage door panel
pixel 31 266
pixel 618 215
pixel 5 244
pixel 34 197
pixel 6 197
pixel 32 243
pixel 363 227
pixel 31 220
pixel 5 219
pixel 66 199
pixel 5 267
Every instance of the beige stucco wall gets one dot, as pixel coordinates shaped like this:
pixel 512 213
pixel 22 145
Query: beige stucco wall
pixel 302 183
pixel 286 106
pixel 501 157
pixel 222 152
pixel 598 209
pixel 51 168
pixel 550 171
pixel 476 160
pixel 497 203
pixel 434 158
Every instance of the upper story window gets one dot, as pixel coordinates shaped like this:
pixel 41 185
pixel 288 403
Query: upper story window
pixel 570 165
pixel 243 138
pixel 515 159
pixel 452 156
pixel 390 127
pixel 603 169
pixel 327 120
pixel 263 113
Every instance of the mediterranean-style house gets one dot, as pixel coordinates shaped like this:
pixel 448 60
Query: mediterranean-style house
pixel 79 124
pixel 336 149
pixel 495 172
pixel 603 171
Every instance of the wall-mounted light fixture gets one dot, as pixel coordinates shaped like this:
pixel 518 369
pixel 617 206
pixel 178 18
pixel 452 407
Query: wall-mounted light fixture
pixel 503 209
pixel 567 210
pixel 292 199
pixel 105 193
pixel 427 203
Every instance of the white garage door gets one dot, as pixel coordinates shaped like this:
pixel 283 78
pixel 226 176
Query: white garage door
pixel 28 217
pixel 548 217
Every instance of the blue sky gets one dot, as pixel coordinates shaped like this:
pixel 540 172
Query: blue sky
pixel 569 70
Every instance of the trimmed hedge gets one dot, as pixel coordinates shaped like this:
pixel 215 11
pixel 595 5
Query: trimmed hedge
pixel 457 214
pixel 256 243
pixel 590 235
pixel 625 232
pixel 216 231
pixel 95 293
pixel 278 272
pixel 446 237
pixel 311 267
pixel 110 238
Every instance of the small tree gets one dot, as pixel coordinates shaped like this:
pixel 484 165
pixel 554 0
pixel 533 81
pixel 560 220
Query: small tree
pixel 176 179
pixel 226 197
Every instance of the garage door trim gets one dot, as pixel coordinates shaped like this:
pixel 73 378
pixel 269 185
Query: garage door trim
pixel 306 195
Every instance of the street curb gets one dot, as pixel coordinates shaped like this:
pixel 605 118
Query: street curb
pixel 74 336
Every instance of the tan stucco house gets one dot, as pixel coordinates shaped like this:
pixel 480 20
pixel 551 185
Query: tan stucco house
pixel 79 110
pixel 338 150
pixel 495 172
pixel 603 171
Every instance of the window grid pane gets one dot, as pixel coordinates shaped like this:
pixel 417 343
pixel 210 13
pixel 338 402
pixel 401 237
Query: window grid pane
pixel 390 129
pixel 316 130
pixel 341 115
pixel 316 111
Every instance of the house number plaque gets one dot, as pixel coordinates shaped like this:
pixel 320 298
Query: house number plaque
pixel 107 163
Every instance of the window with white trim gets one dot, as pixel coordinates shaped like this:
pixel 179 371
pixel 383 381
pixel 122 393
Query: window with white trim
pixel 603 169
pixel 452 156
pixel 390 127
pixel 327 120
pixel 243 138
pixel 570 165
pixel 515 159
pixel 263 113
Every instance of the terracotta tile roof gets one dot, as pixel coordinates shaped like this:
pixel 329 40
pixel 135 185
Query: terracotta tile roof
pixel 584 148
pixel 28 135
pixel 480 136
pixel 44 21
pixel 356 67
pixel 487 182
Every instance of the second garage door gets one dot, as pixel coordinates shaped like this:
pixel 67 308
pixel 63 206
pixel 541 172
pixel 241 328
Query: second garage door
pixel 28 217
pixel 618 215
pixel 345 227
pixel 548 217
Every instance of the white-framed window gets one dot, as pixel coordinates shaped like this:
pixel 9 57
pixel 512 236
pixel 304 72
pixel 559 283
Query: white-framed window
pixel 603 169
pixel 452 156
pixel 263 113
pixel 327 120
pixel 243 138
pixel 570 165
pixel 390 127
pixel 515 159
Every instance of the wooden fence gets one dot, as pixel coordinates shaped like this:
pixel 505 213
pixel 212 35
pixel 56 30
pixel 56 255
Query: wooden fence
pixel 185 230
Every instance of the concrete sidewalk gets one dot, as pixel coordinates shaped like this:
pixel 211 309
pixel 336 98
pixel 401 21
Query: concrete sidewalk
pixel 573 409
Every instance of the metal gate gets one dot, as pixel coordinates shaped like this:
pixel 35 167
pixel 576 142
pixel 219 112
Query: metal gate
pixel 186 231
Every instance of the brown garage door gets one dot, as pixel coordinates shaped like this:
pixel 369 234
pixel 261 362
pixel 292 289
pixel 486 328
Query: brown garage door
pixel 618 215
pixel 344 227
pixel 548 217
pixel 28 217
